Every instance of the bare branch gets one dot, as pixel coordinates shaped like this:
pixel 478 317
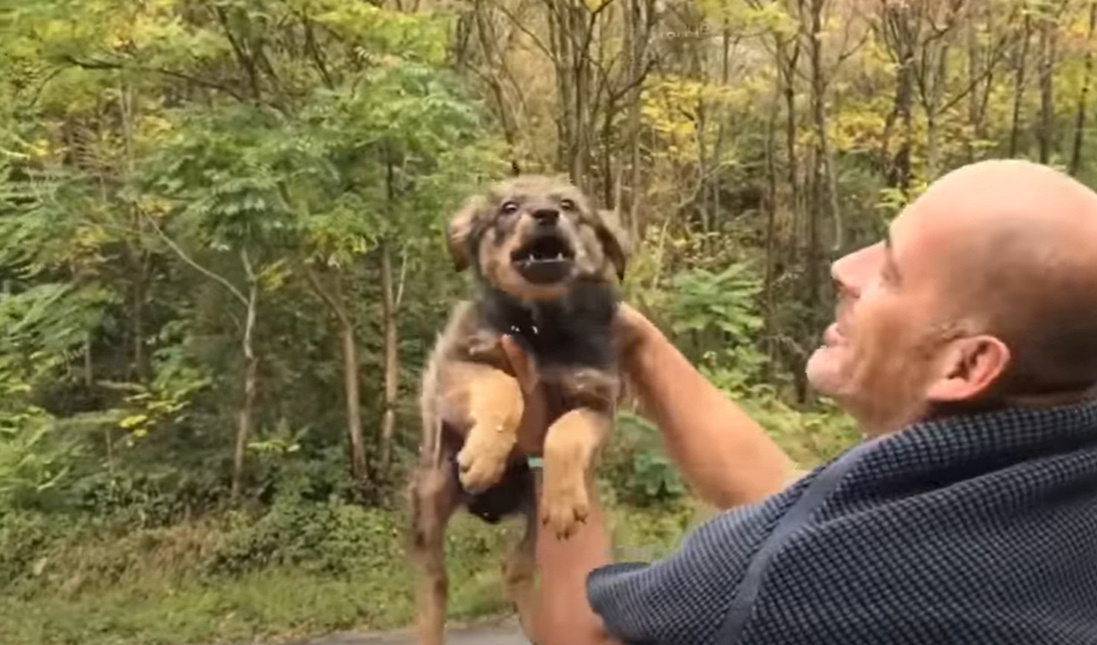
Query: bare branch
pixel 319 290
pixel 998 54
pixel 247 266
pixel 314 50
pixel 402 281
pixel 649 64
pixel 198 267
pixel 95 64
pixel 517 23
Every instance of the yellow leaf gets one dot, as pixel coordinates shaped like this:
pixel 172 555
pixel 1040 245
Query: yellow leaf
pixel 133 421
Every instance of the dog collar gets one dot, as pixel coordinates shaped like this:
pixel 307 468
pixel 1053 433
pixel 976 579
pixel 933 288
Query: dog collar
pixel 535 462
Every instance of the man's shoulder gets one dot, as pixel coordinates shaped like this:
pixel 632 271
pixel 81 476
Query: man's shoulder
pixel 680 597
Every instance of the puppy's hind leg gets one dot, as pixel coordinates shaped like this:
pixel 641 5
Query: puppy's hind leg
pixel 434 498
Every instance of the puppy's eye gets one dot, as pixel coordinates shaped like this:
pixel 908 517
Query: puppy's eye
pixel 509 208
pixel 567 204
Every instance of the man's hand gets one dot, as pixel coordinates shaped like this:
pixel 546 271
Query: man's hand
pixel 534 425
pixel 563 615
pixel 629 325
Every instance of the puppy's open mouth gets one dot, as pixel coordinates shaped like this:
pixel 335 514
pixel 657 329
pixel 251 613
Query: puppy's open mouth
pixel 544 259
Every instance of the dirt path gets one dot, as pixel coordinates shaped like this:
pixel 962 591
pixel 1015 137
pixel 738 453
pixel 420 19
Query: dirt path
pixel 505 633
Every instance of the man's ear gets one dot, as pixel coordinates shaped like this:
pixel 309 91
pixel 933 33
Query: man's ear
pixel 458 231
pixel 971 368
pixel 614 240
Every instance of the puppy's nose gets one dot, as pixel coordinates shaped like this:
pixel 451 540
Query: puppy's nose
pixel 546 216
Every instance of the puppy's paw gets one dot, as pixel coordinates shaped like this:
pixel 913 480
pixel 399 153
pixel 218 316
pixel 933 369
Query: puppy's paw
pixel 481 464
pixel 564 506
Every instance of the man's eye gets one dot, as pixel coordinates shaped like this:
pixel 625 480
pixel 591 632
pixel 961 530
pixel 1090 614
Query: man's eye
pixel 889 275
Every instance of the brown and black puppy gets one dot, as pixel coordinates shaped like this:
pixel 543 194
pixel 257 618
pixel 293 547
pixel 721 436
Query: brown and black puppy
pixel 547 264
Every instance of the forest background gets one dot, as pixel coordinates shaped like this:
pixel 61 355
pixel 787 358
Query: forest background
pixel 222 259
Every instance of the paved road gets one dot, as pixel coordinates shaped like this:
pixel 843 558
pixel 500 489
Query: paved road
pixel 505 633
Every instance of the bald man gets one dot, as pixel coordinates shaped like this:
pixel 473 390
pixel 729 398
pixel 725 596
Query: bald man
pixel 965 346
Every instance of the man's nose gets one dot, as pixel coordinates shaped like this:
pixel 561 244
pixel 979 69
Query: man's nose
pixel 849 271
pixel 546 216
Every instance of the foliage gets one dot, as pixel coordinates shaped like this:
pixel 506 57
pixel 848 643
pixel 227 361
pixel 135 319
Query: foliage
pixel 635 466
pixel 298 568
pixel 215 214
pixel 717 313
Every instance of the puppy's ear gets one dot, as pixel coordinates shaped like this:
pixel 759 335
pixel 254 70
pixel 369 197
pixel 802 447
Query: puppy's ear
pixel 614 240
pixel 459 230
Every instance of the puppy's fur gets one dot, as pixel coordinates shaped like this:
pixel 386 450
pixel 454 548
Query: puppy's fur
pixel 547 264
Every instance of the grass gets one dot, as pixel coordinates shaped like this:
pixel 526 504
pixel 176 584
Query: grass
pixel 266 606
pixel 303 569
pixel 161 587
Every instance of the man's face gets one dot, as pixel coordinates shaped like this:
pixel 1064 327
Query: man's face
pixel 880 355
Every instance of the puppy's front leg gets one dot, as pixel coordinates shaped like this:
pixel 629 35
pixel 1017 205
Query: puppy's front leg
pixel 569 450
pixel 494 407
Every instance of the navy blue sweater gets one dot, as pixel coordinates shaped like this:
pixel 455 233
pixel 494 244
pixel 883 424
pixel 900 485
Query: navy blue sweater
pixel 973 530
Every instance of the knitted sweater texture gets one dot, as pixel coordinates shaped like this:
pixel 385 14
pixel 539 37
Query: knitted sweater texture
pixel 972 530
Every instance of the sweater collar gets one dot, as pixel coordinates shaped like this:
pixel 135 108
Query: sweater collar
pixel 941 451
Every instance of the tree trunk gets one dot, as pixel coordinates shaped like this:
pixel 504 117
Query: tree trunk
pixel 583 109
pixel 635 173
pixel 488 46
pixel 932 104
pixel 392 356
pixel 1019 89
pixel 358 466
pixel 896 29
pixel 137 256
pixel 139 362
pixel 348 344
pixel 788 71
pixel 821 198
pixel 1083 95
pixel 721 121
pixel 932 147
pixel 250 303
pixel 606 167
pixel 975 70
pixel 1048 37
pixel 701 204
pixel 246 414
pixel 640 16
pixel 906 113
pixel 359 469
pixel 981 90
pixel 820 171
pixel 571 37
pixel 788 67
pixel 769 289
pixel 89 362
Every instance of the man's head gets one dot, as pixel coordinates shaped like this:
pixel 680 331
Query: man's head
pixel 532 236
pixel 984 290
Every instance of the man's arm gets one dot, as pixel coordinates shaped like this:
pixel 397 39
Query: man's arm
pixel 564 616
pixel 585 599
pixel 721 452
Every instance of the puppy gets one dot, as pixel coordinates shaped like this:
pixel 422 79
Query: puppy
pixel 547 264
